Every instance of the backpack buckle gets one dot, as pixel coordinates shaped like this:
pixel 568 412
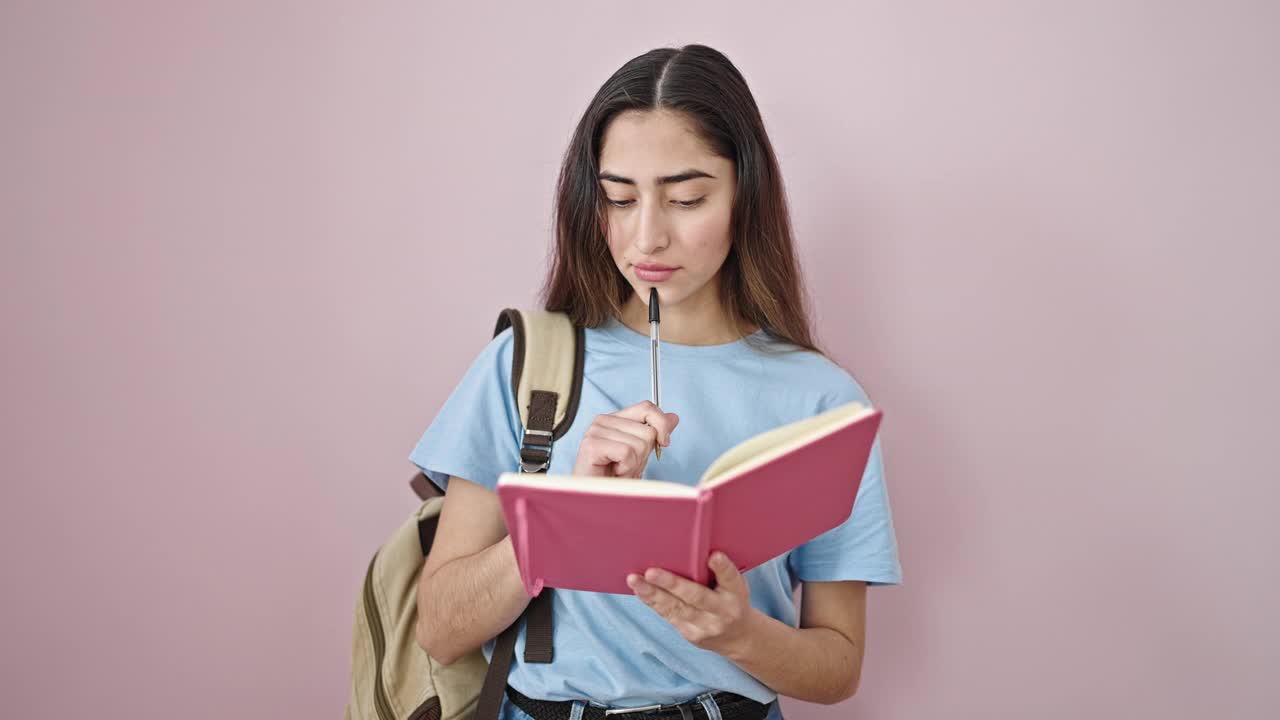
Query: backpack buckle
pixel 538 459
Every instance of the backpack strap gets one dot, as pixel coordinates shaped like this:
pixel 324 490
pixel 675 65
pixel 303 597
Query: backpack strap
pixel 546 380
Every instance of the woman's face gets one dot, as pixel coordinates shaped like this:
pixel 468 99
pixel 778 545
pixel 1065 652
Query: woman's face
pixel 682 223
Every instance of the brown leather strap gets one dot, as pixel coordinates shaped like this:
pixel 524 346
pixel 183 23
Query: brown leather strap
pixel 535 456
pixel 542 409
pixel 537 637
pixel 537 629
pixel 495 679
pixel 535 451
pixel 537 649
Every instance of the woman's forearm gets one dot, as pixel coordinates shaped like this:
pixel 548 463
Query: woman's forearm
pixel 469 600
pixel 812 664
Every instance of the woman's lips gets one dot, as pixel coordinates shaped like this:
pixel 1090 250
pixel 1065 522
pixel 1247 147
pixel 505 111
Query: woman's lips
pixel 650 275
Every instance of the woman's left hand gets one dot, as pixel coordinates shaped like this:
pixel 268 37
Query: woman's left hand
pixel 718 620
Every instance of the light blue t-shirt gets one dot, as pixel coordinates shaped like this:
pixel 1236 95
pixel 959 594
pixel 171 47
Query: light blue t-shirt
pixel 612 649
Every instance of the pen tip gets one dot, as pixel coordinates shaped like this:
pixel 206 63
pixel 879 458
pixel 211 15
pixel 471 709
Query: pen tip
pixel 653 304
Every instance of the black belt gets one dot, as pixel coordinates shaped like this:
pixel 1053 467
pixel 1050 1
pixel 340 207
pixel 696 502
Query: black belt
pixel 732 707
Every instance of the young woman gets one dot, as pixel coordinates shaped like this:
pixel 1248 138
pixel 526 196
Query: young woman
pixel 669 182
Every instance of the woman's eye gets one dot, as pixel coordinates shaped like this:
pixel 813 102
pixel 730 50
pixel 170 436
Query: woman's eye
pixel 678 203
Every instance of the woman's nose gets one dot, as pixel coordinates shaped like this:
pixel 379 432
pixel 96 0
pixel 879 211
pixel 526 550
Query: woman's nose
pixel 652 231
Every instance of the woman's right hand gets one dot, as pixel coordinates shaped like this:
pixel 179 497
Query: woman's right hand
pixel 618 444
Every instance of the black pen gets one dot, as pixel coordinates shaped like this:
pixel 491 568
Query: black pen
pixel 653 353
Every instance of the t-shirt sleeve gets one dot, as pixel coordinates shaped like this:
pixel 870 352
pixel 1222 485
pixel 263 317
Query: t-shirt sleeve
pixel 863 547
pixel 476 433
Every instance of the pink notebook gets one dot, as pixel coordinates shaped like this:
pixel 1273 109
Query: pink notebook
pixel 759 499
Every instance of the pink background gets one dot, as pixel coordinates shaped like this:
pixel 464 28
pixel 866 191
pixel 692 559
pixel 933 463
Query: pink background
pixel 248 249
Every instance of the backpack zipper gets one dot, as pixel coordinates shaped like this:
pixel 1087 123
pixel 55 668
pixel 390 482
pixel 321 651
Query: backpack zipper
pixel 428 710
pixel 381 704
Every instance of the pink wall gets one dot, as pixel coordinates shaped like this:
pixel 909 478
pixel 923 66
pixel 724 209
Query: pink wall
pixel 243 246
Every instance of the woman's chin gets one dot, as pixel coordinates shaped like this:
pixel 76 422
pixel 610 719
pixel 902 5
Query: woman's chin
pixel 666 293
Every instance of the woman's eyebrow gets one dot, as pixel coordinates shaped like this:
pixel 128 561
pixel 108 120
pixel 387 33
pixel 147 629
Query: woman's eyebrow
pixel 680 177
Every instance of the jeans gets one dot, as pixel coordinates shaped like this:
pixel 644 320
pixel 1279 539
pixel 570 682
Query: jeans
pixel 509 711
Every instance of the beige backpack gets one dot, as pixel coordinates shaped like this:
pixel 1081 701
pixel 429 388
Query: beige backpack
pixel 392 677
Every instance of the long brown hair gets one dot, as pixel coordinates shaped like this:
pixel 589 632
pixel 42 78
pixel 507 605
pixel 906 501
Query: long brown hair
pixel 760 280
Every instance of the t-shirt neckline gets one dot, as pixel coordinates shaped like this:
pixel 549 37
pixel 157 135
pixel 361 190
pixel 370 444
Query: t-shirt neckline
pixel 616 330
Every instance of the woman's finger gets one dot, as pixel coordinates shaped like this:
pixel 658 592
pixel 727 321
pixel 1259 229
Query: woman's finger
pixel 647 413
pixel 647 434
pixel 688 591
pixel 728 579
pixel 664 603
pixel 627 452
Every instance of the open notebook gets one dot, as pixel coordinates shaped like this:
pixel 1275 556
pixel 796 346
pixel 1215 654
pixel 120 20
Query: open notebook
pixel 764 496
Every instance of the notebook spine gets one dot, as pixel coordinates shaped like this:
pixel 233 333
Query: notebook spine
pixel 701 545
pixel 531 586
